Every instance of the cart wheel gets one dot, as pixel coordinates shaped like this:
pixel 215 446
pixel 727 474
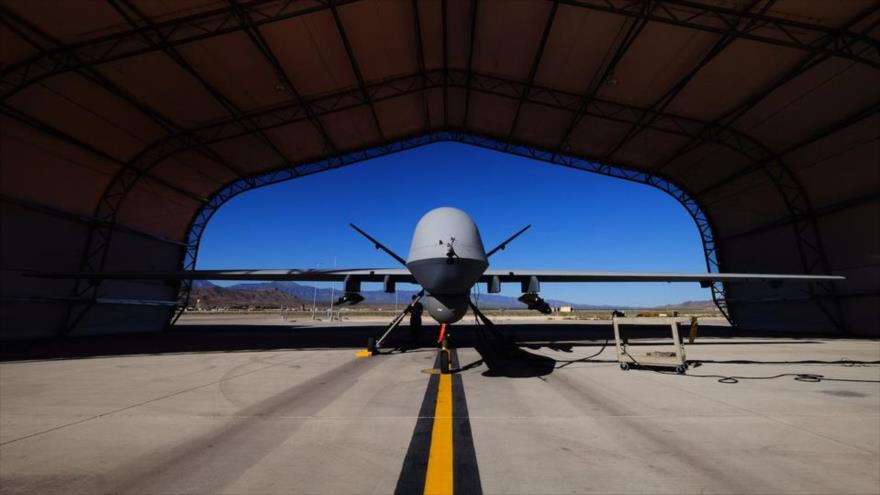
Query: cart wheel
pixel 624 366
pixel 680 369
pixel 444 362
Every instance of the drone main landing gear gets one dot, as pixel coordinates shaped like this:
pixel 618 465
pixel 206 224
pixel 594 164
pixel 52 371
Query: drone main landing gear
pixel 373 344
pixel 496 349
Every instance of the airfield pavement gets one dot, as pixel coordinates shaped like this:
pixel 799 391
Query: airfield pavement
pixel 286 407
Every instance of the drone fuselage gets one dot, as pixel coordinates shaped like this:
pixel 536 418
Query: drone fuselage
pixel 447 258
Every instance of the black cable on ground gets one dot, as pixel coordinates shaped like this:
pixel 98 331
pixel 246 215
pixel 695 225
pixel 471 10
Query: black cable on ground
pixel 800 377
pixel 587 359
pixel 842 362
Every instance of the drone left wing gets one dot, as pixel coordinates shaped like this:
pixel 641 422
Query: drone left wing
pixel 524 276
pixel 531 280
pixel 361 274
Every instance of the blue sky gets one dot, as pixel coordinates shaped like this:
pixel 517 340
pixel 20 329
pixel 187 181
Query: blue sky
pixel 581 221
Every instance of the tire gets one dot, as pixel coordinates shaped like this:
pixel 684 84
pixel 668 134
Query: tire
pixel 680 369
pixel 444 362
pixel 371 345
pixel 624 366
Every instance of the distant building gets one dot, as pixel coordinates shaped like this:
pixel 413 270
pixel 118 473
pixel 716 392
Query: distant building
pixel 565 309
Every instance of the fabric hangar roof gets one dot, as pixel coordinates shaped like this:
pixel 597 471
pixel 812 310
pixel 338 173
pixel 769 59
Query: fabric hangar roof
pixel 765 112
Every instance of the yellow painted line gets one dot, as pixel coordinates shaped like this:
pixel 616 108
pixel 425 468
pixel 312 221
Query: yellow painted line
pixel 439 478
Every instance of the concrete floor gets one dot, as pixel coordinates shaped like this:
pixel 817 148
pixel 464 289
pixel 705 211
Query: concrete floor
pixel 323 421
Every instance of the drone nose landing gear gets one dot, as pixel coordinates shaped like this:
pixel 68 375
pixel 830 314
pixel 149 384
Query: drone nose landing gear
pixel 445 355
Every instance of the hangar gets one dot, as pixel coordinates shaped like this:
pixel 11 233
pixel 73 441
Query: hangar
pixel 127 123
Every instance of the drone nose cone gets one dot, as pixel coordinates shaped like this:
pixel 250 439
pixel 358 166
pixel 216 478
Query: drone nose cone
pixel 447 255
pixel 444 231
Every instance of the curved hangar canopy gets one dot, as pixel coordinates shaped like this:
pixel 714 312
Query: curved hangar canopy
pixel 122 119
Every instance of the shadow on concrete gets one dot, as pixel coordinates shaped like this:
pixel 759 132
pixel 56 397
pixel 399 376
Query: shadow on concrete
pixel 522 364
pixel 230 338
pixel 193 338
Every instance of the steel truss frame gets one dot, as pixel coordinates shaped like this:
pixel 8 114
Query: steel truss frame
pixel 806 233
pixel 812 38
pixel 774 30
pixel 817 213
pixel 806 64
pixel 204 215
pixel 356 70
pixel 818 41
pixel 670 96
pixel 152 38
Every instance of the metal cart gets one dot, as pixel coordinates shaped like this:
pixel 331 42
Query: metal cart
pixel 671 357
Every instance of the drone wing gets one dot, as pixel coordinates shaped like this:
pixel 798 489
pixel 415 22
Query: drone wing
pixel 292 274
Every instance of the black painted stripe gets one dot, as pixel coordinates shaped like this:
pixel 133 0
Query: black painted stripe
pixel 415 464
pixel 466 474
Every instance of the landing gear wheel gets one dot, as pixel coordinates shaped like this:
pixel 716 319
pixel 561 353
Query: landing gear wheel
pixel 624 366
pixel 681 369
pixel 444 361
pixel 371 345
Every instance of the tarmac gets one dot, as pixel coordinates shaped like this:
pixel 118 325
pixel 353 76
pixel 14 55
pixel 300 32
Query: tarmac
pixel 286 407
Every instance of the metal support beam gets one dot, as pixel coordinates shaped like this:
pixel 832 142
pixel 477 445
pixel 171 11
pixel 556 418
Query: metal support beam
pixel 632 32
pixel 268 54
pixel 349 51
pixel 814 38
pixel 405 85
pixel 536 63
pixel 470 67
pixel 101 230
pixel 181 61
pixel 443 32
pixel 807 236
pixel 420 62
pixel 28 31
pixel 98 244
pixel 822 134
pixel 23 29
pixel 664 101
pixel 44 127
pixel 817 213
pixel 75 217
pixel 413 84
pixel 807 63
pixel 139 41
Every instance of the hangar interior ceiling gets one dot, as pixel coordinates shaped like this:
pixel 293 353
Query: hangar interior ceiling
pixel 123 121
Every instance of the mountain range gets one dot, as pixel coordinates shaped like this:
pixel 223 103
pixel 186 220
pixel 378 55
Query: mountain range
pixel 276 294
